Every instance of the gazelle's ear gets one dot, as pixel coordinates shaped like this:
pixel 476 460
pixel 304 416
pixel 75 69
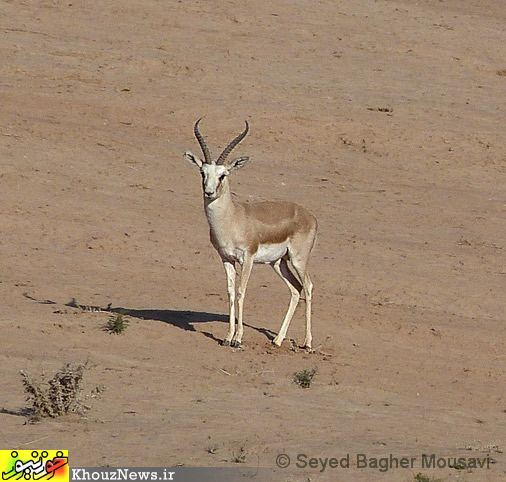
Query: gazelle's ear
pixel 193 159
pixel 237 163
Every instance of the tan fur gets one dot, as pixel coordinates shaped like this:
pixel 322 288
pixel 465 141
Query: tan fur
pixel 275 222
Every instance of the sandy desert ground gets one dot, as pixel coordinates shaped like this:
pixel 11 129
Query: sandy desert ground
pixel 385 119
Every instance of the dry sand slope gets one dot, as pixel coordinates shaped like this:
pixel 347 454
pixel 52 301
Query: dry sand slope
pixel 384 118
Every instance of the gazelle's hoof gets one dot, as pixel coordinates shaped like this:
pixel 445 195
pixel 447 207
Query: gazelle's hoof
pixel 225 343
pixel 276 342
pixel 235 344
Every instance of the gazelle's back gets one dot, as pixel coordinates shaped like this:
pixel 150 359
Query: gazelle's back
pixel 279 214
pixel 272 222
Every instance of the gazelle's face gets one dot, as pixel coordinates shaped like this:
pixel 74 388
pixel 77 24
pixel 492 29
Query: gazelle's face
pixel 214 175
pixel 214 180
pixel 215 172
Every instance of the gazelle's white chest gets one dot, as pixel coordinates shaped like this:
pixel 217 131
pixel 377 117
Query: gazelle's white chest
pixel 267 253
pixel 231 252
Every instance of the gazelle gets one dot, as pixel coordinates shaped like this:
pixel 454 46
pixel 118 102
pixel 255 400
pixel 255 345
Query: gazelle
pixel 248 233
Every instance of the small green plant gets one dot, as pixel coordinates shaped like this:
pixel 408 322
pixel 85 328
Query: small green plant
pixel 59 396
pixel 117 324
pixel 304 378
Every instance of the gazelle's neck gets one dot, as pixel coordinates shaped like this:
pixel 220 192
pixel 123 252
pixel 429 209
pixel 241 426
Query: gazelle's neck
pixel 220 211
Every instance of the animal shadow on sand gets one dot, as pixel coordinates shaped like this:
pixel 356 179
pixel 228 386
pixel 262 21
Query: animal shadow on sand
pixel 184 319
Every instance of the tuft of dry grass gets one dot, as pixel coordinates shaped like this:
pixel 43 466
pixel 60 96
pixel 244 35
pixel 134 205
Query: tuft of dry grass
pixel 59 396
pixel 304 378
pixel 424 478
pixel 240 457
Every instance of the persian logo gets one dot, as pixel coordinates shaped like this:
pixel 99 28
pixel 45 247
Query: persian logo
pixel 35 465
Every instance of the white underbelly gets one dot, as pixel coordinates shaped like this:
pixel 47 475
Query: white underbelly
pixel 267 253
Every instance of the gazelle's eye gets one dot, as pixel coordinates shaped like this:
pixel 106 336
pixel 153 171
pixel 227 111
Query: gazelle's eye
pixel 222 177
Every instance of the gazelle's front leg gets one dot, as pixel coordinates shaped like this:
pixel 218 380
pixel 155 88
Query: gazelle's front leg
pixel 230 270
pixel 241 293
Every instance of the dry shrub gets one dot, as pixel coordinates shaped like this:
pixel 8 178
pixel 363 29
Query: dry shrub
pixel 304 378
pixel 59 396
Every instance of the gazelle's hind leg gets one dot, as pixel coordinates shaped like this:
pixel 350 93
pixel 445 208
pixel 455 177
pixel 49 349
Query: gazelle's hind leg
pixel 282 269
pixel 308 294
pixel 300 268
pixel 308 291
pixel 299 253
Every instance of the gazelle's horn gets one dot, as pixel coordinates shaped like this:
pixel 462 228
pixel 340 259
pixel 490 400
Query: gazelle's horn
pixel 228 149
pixel 202 142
